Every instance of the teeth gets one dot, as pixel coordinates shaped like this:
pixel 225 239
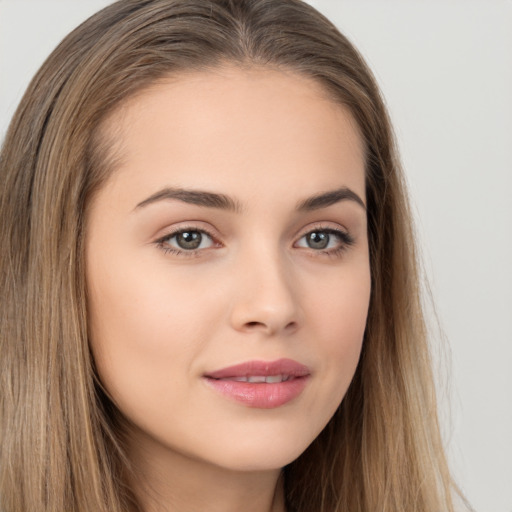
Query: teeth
pixel 274 378
pixel 271 379
pixel 256 378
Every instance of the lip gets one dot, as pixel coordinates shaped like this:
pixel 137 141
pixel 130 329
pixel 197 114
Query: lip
pixel 261 395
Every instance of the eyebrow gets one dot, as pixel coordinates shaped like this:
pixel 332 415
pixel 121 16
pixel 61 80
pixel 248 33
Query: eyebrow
pixel 329 198
pixel 197 197
pixel 224 202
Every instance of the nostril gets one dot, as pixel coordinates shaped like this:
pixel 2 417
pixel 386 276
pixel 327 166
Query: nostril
pixel 255 325
pixel 251 325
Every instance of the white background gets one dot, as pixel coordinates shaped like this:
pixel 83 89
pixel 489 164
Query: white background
pixel 445 68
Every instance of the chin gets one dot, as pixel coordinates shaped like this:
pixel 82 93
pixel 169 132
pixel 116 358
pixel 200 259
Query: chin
pixel 261 454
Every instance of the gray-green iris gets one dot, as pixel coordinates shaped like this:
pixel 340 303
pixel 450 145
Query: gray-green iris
pixel 317 240
pixel 189 240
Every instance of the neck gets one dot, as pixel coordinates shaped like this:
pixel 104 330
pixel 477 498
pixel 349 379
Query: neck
pixel 167 481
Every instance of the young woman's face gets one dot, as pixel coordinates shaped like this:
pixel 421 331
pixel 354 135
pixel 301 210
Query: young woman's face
pixel 227 266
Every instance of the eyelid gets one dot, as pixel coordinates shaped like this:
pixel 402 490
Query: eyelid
pixel 323 226
pixel 190 225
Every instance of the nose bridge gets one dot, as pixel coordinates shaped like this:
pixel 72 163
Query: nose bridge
pixel 265 297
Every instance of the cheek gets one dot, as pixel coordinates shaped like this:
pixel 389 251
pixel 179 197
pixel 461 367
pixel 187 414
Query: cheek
pixel 144 334
pixel 340 321
pixel 140 305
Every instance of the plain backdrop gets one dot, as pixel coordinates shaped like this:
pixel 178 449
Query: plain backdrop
pixel 445 68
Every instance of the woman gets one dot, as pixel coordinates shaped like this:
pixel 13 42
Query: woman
pixel 211 295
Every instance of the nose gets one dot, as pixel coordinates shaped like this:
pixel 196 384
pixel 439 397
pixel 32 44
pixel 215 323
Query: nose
pixel 265 298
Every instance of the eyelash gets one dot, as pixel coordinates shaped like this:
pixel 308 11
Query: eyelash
pixel 345 240
pixel 162 243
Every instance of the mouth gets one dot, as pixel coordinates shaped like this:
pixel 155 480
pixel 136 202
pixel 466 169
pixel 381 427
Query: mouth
pixel 261 384
pixel 260 371
pixel 270 379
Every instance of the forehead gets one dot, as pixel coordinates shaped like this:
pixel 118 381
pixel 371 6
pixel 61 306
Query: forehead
pixel 207 129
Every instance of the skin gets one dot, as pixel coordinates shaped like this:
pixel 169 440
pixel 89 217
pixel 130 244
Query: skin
pixel 255 290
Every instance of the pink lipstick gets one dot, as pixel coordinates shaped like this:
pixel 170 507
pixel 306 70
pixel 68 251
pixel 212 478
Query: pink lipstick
pixel 261 384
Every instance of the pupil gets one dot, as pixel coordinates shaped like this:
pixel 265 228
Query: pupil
pixel 189 239
pixel 318 240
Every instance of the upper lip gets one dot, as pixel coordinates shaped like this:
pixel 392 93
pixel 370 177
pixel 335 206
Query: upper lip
pixel 287 367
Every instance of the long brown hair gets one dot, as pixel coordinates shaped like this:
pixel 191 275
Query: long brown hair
pixel 60 448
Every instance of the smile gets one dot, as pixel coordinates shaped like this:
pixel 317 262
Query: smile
pixel 271 379
pixel 261 384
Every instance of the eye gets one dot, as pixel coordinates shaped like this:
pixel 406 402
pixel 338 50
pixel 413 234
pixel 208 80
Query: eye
pixel 327 240
pixel 186 240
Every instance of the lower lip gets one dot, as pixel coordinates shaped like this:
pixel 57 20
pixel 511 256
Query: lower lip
pixel 260 395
